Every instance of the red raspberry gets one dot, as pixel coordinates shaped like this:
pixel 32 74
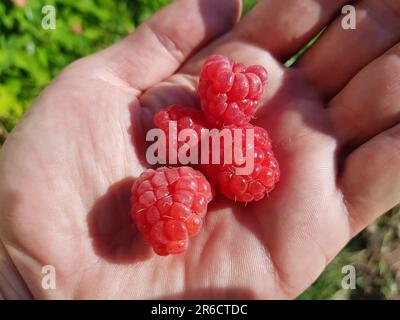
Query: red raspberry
pixel 229 91
pixel 168 205
pixel 259 182
pixel 185 117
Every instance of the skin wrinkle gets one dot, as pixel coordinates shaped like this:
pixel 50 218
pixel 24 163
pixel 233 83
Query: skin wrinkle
pixel 353 217
pixel 94 143
pixel 279 275
pixel 346 210
pixel 167 44
pixel 111 69
pixel 282 276
pixel 111 78
pixel 364 203
pixel 17 254
pixel 337 194
pixel 344 108
pixel 395 137
pixel 153 98
pixel 209 241
pixel 123 132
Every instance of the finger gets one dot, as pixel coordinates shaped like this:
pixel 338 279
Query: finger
pixel 296 22
pixel 284 27
pixel 370 180
pixel 339 54
pixel 161 44
pixel 369 104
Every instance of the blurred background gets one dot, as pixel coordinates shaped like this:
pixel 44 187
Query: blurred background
pixel 31 56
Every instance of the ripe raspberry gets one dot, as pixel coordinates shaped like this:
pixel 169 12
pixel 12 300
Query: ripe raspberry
pixel 261 180
pixel 168 205
pixel 185 117
pixel 229 91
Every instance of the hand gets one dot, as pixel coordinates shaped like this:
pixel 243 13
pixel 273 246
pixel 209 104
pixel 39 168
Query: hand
pixel 67 168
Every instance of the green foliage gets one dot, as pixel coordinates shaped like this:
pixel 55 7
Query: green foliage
pixel 31 56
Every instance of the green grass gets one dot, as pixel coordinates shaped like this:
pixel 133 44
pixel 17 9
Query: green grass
pixel 31 56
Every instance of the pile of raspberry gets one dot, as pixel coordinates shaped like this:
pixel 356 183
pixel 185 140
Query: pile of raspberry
pixel 169 203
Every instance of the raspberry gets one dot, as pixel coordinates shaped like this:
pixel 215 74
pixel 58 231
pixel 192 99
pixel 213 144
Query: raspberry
pixel 185 117
pixel 230 92
pixel 261 180
pixel 168 207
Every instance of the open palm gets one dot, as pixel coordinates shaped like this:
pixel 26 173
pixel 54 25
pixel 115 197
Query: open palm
pixel 67 169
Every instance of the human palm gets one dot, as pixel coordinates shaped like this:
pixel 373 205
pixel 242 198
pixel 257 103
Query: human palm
pixel 68 167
